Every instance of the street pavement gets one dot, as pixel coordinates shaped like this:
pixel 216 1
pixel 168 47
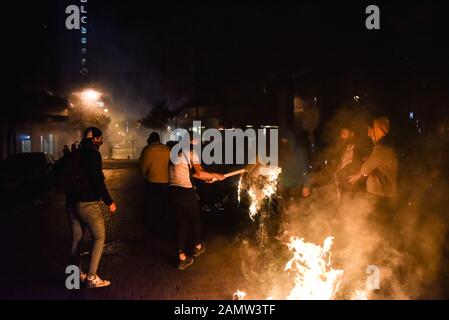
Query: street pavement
pixel 141 264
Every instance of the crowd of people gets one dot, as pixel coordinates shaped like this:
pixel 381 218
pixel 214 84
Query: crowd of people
pixel 171 187
pixel 83 182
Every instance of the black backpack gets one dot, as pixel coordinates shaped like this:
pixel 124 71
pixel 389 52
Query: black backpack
pixel 70 176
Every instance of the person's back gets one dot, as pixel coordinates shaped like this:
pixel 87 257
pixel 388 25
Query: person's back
pixel 154 163
pixel 91 164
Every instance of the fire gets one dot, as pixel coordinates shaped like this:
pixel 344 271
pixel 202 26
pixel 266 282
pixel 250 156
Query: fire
pixel 253 206
pixel 261 188
pixel 315 279
pixel 239 189
pixel 239 295
pixel 360 295
pixel 311 266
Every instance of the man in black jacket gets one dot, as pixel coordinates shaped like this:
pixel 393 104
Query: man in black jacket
pixel 83 205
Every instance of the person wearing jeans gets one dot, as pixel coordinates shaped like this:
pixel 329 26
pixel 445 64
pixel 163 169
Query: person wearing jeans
pixel 87 215
pixel 83 206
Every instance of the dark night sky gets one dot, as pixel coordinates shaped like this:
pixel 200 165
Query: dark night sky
pixel 227 52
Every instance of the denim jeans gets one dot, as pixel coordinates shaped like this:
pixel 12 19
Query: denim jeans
pixel 86 215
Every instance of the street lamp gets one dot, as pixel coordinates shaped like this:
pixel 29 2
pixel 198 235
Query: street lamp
pixel 90 95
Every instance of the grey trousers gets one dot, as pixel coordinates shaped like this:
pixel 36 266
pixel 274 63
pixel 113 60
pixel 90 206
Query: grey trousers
pixel 86 215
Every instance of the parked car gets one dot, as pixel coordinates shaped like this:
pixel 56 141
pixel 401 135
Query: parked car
pixel 27 175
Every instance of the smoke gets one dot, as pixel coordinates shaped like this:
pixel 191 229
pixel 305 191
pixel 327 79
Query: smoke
pixel 402 250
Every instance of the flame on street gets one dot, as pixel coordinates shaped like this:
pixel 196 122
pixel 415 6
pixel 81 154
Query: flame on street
pixel 310 266
pixel 315 279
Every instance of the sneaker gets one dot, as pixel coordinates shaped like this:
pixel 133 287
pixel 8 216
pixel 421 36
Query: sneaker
pixel 219 206
pixel 200 251
pixel 184 264
pixel 96 282
pixel 206 208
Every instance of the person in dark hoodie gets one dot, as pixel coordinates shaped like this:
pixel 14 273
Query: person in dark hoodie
pixel 83 206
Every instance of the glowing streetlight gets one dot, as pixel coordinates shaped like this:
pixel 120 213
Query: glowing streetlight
pixel 90 95
pixel 106 110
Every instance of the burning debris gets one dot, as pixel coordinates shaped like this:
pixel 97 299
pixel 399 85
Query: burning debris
pixel 260 183
pixel 315 279
pixel 304 269
pixel 312 272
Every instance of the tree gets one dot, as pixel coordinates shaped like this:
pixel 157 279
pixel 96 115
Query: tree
pixel 158 116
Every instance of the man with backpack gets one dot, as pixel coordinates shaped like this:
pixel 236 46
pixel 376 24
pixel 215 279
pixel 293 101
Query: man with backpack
pixel 83 182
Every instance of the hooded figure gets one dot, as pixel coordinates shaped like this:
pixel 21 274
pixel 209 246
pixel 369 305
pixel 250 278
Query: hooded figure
pixel 381 167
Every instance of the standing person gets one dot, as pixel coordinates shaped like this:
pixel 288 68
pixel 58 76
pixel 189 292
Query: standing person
pixel 185 202
pixel 349 163
pixel 381 169
pixel 154 160
pixel 83 204
pixel 211 195
pixel 293 159
pixel 66 150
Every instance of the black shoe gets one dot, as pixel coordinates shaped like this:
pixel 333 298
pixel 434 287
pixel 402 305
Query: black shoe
pixel 200 251
pixel 219 206
pixel 184 264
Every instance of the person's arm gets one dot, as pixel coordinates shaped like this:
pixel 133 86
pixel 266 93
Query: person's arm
pixel 200 172
pixel 204 175
pixel 373 161
pixel 144 161
pixel 141 161
pixel 96 168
